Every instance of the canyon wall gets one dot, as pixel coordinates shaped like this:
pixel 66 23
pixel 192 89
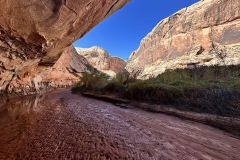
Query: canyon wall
pixel 64 73
pixel 34 34
pixel 206 33
pixel 102 60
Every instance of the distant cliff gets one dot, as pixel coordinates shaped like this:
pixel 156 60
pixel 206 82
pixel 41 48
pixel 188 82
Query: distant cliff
pixel 102 60
pixel 206 33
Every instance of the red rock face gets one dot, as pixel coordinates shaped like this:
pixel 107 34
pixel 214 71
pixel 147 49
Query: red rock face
pixel 67 70
pixel 53 24
pixel 117 64
pixel 64 73
pixel 203 24
pixel 33 34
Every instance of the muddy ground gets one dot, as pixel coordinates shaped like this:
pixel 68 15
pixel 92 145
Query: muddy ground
pixel 60 125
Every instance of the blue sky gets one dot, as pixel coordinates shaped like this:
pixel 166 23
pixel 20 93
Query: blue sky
pixel 121 33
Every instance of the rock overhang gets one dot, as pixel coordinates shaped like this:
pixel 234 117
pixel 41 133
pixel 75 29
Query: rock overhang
pixel 52 25
pixel 34 34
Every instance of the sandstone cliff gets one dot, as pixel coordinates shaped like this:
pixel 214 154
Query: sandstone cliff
pixel 33 34
pixel 101 60
pixel 193 36
pixel 65 72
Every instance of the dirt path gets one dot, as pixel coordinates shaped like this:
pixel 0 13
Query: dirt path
pixel 59 125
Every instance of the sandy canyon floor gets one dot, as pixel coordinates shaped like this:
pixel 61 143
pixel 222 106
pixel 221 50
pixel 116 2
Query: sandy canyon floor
pixel 61 125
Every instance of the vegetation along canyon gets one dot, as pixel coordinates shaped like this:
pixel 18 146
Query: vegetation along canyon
pixel 120 79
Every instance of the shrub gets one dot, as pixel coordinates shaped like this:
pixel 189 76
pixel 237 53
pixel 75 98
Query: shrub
pixel 78 88
pixel 115 88
pixel 91 82
pixel 214 90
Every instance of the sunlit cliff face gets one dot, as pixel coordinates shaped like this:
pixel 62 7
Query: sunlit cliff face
pixel 188 37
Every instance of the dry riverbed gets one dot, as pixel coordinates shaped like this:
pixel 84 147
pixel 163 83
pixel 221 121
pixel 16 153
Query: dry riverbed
pixel 60 125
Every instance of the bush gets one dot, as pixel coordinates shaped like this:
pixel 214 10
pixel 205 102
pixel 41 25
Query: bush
pixel 221 101
pixel 91 82
pixel 214 90
pixel 113 87
pixel 78 88
pixel 120 78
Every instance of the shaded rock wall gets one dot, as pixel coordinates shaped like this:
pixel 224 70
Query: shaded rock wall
pixel 64 73
pixel 53 24
pixel 117 65
pixel 33 34
pixel 102 60
pixel 190 34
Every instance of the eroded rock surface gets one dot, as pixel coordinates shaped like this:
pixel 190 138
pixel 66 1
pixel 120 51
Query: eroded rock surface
pixel 65 72
pixel 33 35
pixel 102 60
pixel 188 38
